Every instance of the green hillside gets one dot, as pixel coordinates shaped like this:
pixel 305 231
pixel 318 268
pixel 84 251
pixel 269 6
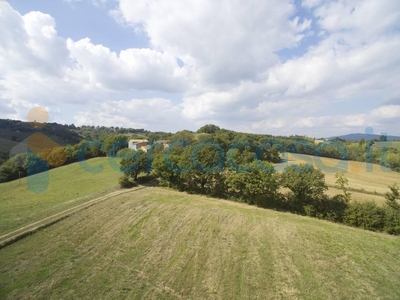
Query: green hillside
pixel 160 244
pixel 67 186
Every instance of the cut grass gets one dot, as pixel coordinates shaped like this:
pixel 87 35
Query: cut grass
pixel 373 180
pixel 68 186
pixel 161 244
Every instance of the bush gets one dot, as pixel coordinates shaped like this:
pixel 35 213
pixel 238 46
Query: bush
pixel 392 221
pixel 146 178
pixel 331 209
pixel 125 182
pixel 365 215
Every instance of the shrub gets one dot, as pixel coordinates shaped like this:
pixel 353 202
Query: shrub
pixel 125 182
pixel 331 209
pixel 365 215
pixel 392 221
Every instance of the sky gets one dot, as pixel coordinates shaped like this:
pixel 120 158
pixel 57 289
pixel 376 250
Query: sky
pixel 282 67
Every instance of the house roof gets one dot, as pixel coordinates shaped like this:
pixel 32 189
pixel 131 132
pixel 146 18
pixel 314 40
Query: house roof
pixel 138 141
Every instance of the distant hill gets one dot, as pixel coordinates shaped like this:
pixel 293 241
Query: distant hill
pixel 359 136
pixel 14 135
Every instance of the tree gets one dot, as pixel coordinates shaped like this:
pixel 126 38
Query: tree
pixel 206 161
pixel 305 182
pixel 270 154
pixel 170 163
pixel 184 135
pixel 392 211
pixel 392 196
pixel 113 143
pixel 257 186
pixel 383 138
pixel 209 128
pixel 132 162
pixel 342 183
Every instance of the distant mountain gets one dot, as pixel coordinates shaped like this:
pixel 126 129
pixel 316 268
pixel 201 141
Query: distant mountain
pixel 359 136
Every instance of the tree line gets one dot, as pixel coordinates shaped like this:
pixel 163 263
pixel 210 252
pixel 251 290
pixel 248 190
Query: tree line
pixel 228 165
pixel 245 172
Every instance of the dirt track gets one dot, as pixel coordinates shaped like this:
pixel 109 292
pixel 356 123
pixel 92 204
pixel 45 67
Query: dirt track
pixel 24 231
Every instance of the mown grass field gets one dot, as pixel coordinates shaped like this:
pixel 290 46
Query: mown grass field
pixel 396 144
pixel 67 186
pixel 161 244
pixel 367 182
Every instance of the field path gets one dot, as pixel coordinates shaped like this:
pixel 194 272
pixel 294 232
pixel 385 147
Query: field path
pixel 24 231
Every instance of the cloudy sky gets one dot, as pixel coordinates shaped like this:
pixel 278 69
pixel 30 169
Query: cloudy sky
pixel 310 67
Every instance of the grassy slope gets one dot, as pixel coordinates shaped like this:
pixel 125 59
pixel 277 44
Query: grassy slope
pixel 161 244
pixel 360 177
pixel 68 186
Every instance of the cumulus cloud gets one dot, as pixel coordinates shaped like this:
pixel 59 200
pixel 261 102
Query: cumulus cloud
pixel 140 69
pixel 41 68
pixel 214 62
pixel 134 113
pixel 223 42
pixel 328 125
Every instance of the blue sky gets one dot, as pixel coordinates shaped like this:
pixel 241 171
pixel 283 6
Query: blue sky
pixel 80 19
pixel 310 67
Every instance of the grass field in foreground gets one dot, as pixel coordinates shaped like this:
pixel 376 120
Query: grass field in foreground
pixel 68 186
pixel 161 244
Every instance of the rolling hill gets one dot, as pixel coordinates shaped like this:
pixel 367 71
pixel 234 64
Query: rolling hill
pixel 155 243
pixel 359 136
pixel 160 244
pixel 67 187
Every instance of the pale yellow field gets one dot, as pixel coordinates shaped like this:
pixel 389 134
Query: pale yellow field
pixel 373 179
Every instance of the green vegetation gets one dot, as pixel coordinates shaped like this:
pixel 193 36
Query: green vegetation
pixel 238 166
pixel 157 243
pixel 67 186
pixel 14 132
pixel 160 244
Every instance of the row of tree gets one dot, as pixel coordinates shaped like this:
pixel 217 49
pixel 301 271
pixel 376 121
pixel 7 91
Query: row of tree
pixel 206 168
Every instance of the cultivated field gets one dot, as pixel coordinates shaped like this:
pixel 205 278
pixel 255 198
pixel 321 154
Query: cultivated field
pixel 367 182
pixel 68 186
pixel 161 244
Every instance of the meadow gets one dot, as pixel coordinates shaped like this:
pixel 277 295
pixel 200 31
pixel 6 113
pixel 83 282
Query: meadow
pixel 366 182
pixel 68 186
pixel 156 243
pixel 75 184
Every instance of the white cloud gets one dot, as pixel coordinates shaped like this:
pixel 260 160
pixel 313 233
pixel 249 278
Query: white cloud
pixel 232 75
pixel 224 42
pixel 335 69
pixel 41 68
pixel 311 3
pixel 161 113
pixel 328 125
pixel 364 19
pixel 387 112
pixel 140 69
